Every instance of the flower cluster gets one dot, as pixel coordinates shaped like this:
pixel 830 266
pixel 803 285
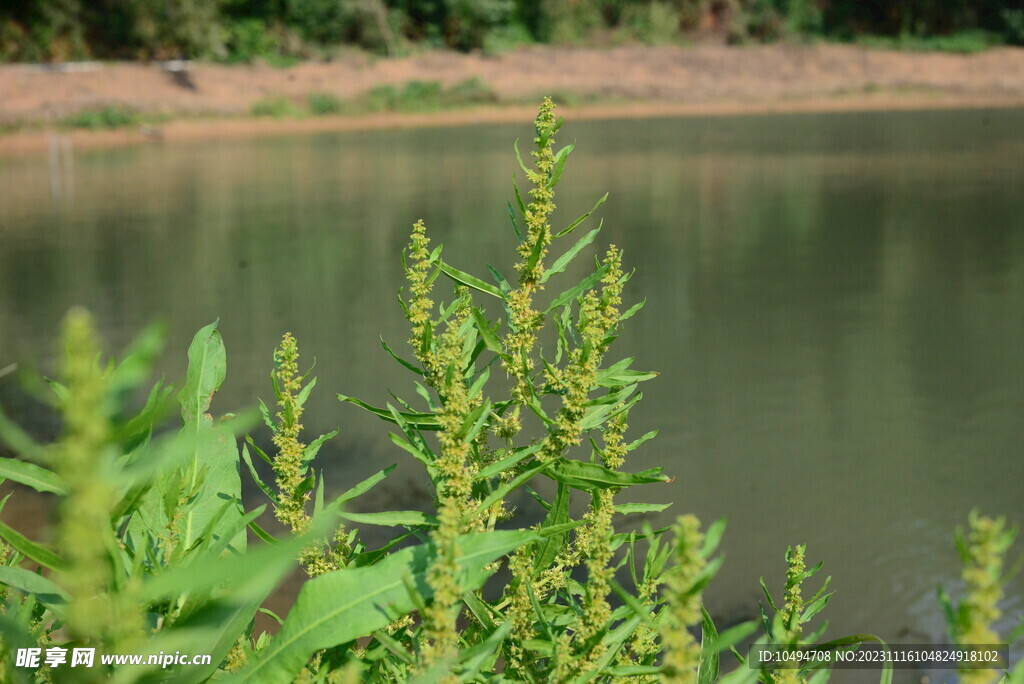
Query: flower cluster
pixel 682 654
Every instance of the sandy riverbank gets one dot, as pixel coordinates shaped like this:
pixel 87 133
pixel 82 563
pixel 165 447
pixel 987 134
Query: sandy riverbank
pixel 214 101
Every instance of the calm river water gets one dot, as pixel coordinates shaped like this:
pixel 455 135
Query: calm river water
pixel 835 304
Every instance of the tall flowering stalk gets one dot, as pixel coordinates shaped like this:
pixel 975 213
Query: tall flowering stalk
pixel 682 654
pixel 290 463
pixel 524 321
pixel 442 361
pixel 98 608
pixel 984 550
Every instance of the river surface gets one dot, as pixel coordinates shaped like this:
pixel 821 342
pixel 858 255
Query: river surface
pixel 835 304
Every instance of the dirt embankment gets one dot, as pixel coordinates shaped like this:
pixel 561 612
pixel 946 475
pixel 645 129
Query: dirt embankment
pixel 213 100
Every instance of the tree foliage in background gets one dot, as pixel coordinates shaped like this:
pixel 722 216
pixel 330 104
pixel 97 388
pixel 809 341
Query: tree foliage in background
pixel 55 30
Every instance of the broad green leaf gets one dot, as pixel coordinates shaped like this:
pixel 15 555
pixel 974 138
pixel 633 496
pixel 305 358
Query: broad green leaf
pixel 350 603
pixel 46 592
pixel 207 367
pixel 36 477
pixel 563 261
pixel 218 457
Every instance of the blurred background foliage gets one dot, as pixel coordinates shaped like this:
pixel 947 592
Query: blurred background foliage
pixel 281 31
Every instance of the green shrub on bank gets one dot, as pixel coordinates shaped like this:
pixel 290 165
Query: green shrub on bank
pixel 279 32
pixel 503 580
pixel 324 104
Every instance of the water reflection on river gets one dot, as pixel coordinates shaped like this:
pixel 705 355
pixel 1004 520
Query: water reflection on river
pixel 834 302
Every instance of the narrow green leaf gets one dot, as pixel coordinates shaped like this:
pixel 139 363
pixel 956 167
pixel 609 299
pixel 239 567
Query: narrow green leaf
pixel 563 261
pixel 591 475
pixel 363 486
pixel 256 476
pixel 408 364
pixel 19 441
pixel 512 215
pixel 713 537
pixel 816 607
pixel 523 166
pixel 413 451
pixel 391 518
pixel 503 284
pixel 510 486
pixel 469 280
pixel 534 257
pixel 517 456
pixel 577 289
pixel 707 671
pixel 483 326
pixel 560 158
pixel 558 514
pixel 46 592
pixel 36 477
pixel 632 310
pixel 28 548
pixel 627 509
pixel 475 658
pixel 421 421
pixel 634 604
pixel 734 635
pixel 581 219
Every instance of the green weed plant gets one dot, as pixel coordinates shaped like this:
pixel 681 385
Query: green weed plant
pixel 534 565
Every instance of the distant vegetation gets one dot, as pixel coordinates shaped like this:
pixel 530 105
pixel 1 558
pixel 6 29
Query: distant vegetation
pixel 282 31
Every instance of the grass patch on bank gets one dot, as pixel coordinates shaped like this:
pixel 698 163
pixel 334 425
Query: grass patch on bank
pixel 103 118
pixel 964 43
pixel 410 97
